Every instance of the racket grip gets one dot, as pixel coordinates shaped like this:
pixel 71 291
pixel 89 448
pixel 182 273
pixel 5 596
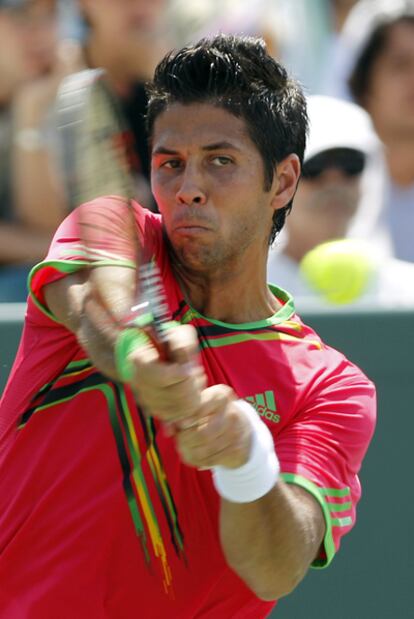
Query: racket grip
pixel 131 338
pixel 159 343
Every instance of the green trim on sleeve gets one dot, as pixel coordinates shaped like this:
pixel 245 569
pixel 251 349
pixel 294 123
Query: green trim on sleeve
pixel 66 267
pixel 336 492
pixel 63 267
pixel 317 493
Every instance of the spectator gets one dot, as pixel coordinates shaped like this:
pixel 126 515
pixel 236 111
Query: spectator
pixel 380 38
pixel 341 140
pixel 27 46
pixel 126 39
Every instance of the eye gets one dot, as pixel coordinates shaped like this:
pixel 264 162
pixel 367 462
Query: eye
pixel 171 164
pixel 221 160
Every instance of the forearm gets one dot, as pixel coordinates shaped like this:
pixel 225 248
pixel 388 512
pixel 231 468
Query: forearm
pixel 76 303
pixel 270 531
pixel 97 337
pixel 271 542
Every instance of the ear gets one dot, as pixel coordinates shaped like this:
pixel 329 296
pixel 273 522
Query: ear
pixel 285 181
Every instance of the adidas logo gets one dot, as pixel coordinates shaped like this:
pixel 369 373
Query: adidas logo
pixel 265 404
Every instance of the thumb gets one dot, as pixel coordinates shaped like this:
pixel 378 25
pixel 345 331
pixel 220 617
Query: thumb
pixel 183 344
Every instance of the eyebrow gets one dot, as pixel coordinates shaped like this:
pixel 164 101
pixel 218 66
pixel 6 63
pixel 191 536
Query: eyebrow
pixel 162 150
pixel 220 146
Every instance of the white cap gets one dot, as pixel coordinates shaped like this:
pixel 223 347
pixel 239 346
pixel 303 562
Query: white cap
pixel 335 123
pixel 364 19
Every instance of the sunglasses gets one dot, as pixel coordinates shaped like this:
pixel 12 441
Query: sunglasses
pixel 349 162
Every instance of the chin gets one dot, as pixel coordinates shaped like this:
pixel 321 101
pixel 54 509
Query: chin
pixel 197 261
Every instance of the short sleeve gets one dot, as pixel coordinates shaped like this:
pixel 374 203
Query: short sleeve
pixel 101 231
pixel 323 446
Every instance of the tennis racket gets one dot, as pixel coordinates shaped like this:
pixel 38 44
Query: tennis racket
pixel 96 160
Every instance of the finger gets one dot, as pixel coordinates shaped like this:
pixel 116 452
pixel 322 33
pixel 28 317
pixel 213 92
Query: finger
pixel 165 399
pixel 221 438
pixel 152 371
pixel 164 409
pixel 201 430
pixel 224 452
pixel 209 422
pixel 183 344
pixel 215 399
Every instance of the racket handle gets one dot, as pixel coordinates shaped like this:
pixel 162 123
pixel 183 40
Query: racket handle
pixel 159 339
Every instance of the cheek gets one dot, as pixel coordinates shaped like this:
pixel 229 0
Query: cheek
pixel 383 92
pixel 161 190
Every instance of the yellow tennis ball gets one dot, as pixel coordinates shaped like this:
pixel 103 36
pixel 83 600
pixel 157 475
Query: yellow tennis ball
pixel 339 270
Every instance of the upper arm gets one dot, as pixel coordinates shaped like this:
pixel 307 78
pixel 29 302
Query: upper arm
pixel 322 450
pixel 313 515
pixel 111 287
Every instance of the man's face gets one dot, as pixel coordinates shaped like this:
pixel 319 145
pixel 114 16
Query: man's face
pixel 28 37
pixel 390 99
pixel 323 208
pixel 208 182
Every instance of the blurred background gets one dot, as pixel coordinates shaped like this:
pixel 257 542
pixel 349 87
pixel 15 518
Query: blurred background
pixel 347 250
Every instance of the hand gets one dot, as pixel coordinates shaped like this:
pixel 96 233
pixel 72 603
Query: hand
pixel 220 435
pixel 170 390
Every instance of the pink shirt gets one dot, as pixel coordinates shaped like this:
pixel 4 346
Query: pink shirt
pixel 99 518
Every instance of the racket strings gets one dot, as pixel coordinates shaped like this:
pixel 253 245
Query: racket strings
pixel 109 235
pixel 103 160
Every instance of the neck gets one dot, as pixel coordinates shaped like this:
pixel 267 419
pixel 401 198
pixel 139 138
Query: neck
pixel 232 295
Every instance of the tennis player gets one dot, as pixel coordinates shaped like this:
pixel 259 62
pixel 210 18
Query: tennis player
pixel 237 470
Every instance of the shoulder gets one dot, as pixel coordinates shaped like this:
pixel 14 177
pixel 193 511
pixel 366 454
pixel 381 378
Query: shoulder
pixel 326 372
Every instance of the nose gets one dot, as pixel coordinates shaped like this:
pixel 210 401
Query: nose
pixel 190 191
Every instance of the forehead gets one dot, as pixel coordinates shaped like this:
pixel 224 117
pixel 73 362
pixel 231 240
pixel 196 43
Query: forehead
pixel 192 125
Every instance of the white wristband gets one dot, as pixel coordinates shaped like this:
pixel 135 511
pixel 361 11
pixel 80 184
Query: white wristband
pixel 254 479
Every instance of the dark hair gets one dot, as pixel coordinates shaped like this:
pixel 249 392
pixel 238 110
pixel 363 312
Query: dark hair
pixel 236 73
pixel 360 78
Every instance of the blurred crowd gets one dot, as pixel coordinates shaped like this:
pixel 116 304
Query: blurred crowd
pixel 355 60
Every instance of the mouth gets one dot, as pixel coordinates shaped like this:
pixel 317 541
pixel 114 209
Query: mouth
pixel 191 229
pixel 191 225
